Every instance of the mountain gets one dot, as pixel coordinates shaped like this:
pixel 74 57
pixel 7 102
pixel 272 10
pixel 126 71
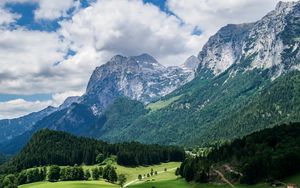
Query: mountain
pixel 139 78
pixel 248 79
pixel 11 128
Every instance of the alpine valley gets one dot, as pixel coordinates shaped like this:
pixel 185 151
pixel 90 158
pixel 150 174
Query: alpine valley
pixel 246 78
pixel 227 117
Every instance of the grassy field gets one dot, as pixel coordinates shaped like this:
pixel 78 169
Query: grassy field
pixel 173 182
pixel 70 184
pixel 132 173
pixel 162 180
pixel 162 103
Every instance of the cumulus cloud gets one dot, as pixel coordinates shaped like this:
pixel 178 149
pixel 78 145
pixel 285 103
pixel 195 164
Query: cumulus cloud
pixel 210 15
pixel 55 8
pixel 27 59
pixel 19 107
pixel 128 28
pixel 49 9
pixel 7 17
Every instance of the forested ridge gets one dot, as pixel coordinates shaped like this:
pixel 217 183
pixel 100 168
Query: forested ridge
pixel 268 155
pixel 48 147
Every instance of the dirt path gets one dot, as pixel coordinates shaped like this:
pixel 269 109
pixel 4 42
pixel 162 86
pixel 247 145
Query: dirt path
pixel 224 179
pixel 136 180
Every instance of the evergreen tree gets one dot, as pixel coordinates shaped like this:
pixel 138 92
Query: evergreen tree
pixel 95 173
pixel 54 173
pixel 87 174
pixel 112 176
pixel 10 181
pixel 122 179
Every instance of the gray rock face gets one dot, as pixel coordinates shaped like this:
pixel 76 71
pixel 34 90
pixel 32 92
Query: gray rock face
pixel 224 48
pixel 14 127
pixel 140 78
pixel 264 44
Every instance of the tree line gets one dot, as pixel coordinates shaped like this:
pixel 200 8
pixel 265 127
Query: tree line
pixel 56 173
pixel 268 155
pixel 48 147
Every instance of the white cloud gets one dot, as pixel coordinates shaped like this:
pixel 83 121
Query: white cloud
pixel 19 107
pixel 7 17
pixel 129 28
pixel 49 9
pixel 211 15
pixel 55 8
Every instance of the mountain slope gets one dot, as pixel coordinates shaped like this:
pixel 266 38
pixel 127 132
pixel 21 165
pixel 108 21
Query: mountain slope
pixel 48 147
pixel 245 82
pixel 14 127
pixel 139 78
pixel 268 155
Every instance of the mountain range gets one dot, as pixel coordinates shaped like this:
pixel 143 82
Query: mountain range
pixel 246 78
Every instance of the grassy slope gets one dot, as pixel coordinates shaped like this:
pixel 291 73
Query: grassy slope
pixel 173 182
pixel 132 173
pixel 162 103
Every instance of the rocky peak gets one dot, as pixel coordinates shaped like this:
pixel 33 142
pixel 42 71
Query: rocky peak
pixel 69 101
pixel 140 78
pixel 191 63
pixel 259 45
pixel 224 48
pixel 284 6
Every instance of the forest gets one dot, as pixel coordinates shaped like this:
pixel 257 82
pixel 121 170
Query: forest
pixel 265 156
pixel 48 147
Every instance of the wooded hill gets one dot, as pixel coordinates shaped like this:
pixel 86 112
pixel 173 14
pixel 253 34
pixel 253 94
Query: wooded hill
pixel 48 147
pixel 271 154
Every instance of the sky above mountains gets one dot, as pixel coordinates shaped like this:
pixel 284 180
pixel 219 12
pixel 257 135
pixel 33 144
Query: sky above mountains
pixel 49 48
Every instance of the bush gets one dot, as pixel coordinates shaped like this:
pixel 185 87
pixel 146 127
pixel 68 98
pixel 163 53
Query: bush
pixel 95 173
pixel 122 179
pixel 10 181
pixel 54 173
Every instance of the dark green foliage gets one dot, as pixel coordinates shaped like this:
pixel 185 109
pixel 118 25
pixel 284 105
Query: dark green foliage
pixel 215 109
pixel 177 172
pixel 140 177
pixel 106 171
pixel 100 158
pixel 72 173
pixel 32 175
pixel 118 116
pixel 269 154
pixel 54 173
pixel 10 181
pixel 87 174
pixel 122 179
pixel 58 148
pixel 112 175
pixel 96 173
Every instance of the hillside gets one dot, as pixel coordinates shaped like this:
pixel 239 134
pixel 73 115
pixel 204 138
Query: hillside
pixel 51 147
pixel 268 155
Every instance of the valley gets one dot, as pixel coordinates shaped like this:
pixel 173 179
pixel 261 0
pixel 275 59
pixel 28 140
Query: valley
pixel 228 117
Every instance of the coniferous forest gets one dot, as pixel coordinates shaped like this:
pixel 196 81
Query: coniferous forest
pixel 269 155
pixel 48 147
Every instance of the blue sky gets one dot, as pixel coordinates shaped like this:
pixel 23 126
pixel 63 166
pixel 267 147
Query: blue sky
pixel 50 48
